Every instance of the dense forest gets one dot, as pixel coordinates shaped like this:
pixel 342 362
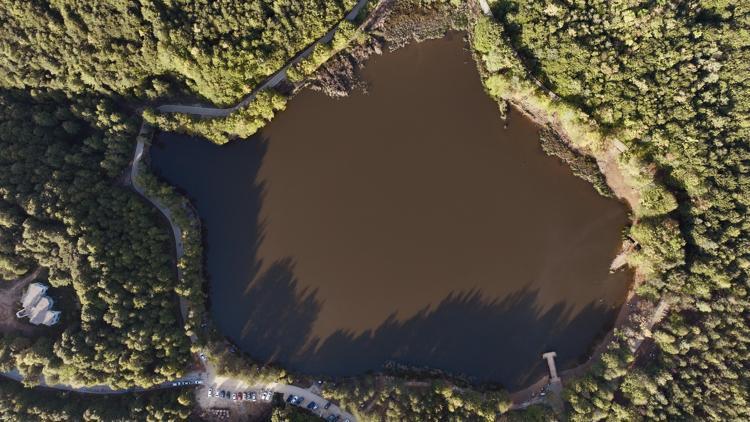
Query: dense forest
pixel 18 404
pixel 64 209
pixel 667 79
pixel 72 75
pixel 670 81
pixel 153 49
pixel 428 399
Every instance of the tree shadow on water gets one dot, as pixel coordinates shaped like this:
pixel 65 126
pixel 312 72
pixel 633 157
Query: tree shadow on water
pixel 271 316
pixel 487 340
pixel 279 315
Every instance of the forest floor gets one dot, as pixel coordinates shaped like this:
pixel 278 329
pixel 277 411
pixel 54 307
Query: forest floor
pixel 10 296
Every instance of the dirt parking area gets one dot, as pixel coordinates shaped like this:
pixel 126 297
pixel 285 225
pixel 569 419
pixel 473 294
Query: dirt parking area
pixel 216 408
pixel 10 298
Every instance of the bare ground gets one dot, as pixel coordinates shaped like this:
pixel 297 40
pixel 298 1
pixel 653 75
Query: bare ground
pixel 608 160
pixel 610 167
pixel 10 298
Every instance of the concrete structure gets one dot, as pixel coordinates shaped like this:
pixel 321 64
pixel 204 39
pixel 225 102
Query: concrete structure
pixel 550 356
pixel 34 292
pixel 38 306
pixel 485 7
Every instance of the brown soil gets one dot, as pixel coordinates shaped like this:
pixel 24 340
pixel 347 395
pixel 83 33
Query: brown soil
pixel 609 165
pixel 608 161
pixel 10 297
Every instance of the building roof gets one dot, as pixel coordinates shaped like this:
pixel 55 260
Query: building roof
pixel 33 293
pixel 39 312
pixel 38 306
pixel 51 317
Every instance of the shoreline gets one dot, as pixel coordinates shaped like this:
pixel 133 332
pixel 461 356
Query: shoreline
pixel 360 55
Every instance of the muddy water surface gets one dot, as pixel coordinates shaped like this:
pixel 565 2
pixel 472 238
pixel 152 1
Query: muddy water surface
pixel 406 224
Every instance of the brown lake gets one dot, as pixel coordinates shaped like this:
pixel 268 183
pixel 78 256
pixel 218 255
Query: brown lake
pixel 405 224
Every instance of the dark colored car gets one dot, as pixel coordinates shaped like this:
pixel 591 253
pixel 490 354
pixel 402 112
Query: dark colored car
pixel 222 394
pixel 328 404
pixel 290 399
pixel 332 418
pixel 312 406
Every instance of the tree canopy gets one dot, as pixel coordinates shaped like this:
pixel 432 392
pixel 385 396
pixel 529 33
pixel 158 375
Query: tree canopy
pixel 670 81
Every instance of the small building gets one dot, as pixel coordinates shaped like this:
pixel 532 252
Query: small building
pixel 38 306
pixel 33 293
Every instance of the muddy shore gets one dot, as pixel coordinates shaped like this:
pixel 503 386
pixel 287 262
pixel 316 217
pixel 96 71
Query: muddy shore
pixel 392 26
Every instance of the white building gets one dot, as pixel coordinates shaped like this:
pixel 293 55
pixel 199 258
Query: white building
pixel 38 306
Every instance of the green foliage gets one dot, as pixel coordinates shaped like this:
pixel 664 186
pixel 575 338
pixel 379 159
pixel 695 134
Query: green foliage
pixel 533 413
pixel 21 404
pixel 582 165
pixel 12 265
pixel 190 281
pixel 290 413
pixel 240 124
pixel 431 400
pixel 93 234
pixel 240 367
pixel 656 200
pixel 661 244
pixel 150 49
pixel 669 81
pixel 488 39
pixel 345 33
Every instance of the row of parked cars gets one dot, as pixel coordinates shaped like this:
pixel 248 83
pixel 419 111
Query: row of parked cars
pixel 181 383
pixel 297 401
pixel 265 395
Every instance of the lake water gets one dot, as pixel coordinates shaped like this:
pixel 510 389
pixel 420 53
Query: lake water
pixel 404 224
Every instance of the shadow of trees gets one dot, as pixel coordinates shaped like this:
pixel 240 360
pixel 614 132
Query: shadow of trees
pixel 271 315
pixel 499 340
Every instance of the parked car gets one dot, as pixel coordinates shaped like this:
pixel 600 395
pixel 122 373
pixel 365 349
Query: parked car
pixel 332 418
pixel 234 396
pixel 253 396
pixel 328 404
pixel 312 406
pixel 210 392
pixel 298 401
pixel 222 394
pixel 289 399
